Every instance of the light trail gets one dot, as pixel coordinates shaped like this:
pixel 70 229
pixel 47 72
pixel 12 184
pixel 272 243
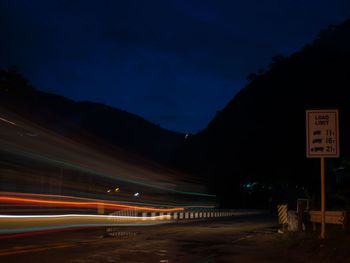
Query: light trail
pixel 91 199
pixel 10 122
pixel 29 223
pixel 75 175
pixel 85 204
pixel 60 163
pixel 162 217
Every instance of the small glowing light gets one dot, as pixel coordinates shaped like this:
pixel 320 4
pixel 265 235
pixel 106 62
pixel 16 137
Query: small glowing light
pixel 136 194
pixel 186 136
pixel 117 189
pixel 109 190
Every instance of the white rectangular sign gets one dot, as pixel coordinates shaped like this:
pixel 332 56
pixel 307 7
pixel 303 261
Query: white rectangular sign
pixel 322 133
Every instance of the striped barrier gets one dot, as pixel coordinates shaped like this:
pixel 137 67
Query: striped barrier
pixel 193 214
pixel 282 211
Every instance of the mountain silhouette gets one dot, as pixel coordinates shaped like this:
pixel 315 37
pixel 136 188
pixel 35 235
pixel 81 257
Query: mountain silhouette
pixel 85 121
pixel 260 136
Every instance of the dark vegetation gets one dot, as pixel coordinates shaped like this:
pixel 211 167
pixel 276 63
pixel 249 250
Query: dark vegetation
pixel 253 151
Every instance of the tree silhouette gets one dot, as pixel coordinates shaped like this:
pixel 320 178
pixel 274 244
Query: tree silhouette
pixel 13 78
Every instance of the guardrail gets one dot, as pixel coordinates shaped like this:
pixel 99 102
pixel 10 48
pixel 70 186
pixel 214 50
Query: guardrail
pixel 10 224
pixel 151 218
pixel 187 214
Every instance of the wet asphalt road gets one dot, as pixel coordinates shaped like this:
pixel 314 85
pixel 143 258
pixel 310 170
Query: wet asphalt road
pixel 236 239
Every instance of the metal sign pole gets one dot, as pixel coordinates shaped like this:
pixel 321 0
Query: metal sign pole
pixel 323 200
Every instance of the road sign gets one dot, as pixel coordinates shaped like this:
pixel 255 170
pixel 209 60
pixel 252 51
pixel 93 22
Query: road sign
pixel 322 140
pixel 322 133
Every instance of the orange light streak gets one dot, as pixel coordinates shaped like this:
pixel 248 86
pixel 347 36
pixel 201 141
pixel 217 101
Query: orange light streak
pixel 86 204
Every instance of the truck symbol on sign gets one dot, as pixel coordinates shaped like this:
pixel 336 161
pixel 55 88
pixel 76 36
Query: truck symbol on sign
pixel 317 149
pixel 319 140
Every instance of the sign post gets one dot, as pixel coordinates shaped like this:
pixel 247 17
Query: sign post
pixel 322 141
pixel 323 200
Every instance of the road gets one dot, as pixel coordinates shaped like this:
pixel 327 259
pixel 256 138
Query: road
pixel 219 240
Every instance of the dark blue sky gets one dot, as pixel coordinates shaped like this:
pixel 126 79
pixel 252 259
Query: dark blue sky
pixel 175 63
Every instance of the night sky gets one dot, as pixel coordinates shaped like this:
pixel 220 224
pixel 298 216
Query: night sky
pixel 175 63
